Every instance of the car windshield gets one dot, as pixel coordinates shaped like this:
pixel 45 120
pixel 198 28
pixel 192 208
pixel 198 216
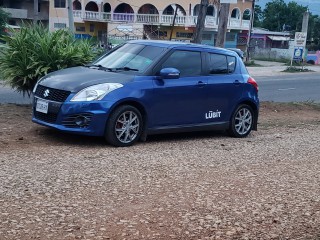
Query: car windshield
pixel 130 57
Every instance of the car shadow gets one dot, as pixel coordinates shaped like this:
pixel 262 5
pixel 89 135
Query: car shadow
pixel 59 137
pixel 56 137
pixel 169 137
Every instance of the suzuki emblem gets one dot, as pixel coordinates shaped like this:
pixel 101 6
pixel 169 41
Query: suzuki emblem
pixel 46 93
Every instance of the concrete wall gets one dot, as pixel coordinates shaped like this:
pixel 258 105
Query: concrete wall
pixel 273 53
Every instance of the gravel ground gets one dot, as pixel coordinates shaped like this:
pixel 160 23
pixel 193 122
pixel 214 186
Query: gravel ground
pixel 186 186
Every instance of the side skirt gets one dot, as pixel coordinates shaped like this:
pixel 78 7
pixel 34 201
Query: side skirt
pixel 189 128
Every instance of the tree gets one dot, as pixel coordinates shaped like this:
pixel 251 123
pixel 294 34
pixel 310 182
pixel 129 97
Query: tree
pixel 258 16
pixel 201 21
pixel 3 20
pixel 279 16
pixel 313 42
pixel 274 15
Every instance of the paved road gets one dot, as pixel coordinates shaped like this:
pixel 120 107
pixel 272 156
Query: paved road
pixel 296 87
pixel 290 88
pixel 7 95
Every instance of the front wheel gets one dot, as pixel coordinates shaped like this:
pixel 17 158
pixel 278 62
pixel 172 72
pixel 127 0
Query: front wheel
pixel 124 126
pixel 242 121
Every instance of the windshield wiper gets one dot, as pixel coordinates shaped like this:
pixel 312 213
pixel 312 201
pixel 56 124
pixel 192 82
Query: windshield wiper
pixel 126 69
pixel 100 67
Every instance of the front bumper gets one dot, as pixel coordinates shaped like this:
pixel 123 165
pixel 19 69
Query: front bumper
pixel 85 118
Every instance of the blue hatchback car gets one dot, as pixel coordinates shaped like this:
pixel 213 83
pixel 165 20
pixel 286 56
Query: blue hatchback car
pixel 148 87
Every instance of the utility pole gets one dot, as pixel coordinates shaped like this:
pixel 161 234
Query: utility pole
pixel 197 38
pixel 35 11
pixel 223 24
pixel 250 31
pixel 70 16
pixel 305 22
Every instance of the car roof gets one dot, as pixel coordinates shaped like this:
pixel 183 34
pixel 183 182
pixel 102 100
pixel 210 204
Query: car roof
pixel 174 44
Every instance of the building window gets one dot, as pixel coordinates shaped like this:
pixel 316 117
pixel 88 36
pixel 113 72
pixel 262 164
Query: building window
pixel 230 37
pixel 80 28
pixel 91 27
pixel 12 22
pixel 59 3
pixel 184 35
pixel 60 25
pixel 207 36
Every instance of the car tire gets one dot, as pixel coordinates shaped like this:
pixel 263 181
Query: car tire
pixel 124 126
pixel 242 121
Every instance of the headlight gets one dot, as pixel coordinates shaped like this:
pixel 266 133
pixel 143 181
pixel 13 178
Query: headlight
pixel 95 92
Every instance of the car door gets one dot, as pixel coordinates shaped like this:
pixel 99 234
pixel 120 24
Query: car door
pixel 180 101
pixel 224 87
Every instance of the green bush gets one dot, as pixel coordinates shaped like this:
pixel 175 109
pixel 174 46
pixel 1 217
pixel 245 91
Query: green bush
pixel 294 69
pixel 33 52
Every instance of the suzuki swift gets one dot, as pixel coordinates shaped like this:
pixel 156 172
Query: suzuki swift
pixel 150 87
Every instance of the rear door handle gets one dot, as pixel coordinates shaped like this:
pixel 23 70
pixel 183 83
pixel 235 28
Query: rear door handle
pixel 201 84
pixel 236 82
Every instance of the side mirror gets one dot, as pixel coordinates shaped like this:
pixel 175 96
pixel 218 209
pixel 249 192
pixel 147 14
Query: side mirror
pixel 169 73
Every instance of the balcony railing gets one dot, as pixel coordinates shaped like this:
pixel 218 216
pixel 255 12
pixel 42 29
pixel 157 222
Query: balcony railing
pixel 17 13
pixel 166 20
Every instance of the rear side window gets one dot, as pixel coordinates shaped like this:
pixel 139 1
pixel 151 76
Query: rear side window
pixel 231 64
pixel 187 62
pixel 218 64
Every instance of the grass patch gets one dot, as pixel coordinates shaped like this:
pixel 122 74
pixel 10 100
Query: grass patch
pixel 281 60
pixel 298 64
pixel 295 69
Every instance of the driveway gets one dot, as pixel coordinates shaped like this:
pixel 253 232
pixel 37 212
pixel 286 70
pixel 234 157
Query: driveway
pixel 177 186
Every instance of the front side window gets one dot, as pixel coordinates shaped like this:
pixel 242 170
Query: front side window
pixel 131 57
pixel 59 3
pixel 218 64
pixel 187 62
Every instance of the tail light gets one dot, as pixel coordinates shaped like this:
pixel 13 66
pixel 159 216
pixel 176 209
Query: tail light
pixel 253 83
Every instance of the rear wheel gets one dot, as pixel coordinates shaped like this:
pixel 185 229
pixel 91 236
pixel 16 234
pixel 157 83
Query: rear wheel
pixel 124 126
pixel 242 121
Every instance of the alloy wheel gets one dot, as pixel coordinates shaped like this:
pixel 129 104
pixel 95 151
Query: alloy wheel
pixel 243 121
pixel 127 127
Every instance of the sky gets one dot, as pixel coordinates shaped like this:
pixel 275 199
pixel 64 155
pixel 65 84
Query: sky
pixel 314 5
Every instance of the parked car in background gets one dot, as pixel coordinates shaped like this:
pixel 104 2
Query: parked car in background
pixel 313 57
pixel 239 52
pixel 150 87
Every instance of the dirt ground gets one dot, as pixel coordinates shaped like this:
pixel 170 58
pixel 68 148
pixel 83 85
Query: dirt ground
pixel 177 186
pixel 17 130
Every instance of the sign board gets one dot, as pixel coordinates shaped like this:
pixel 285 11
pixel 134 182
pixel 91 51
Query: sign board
pixel 229 1
pixel 300 39
pixel 298 53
